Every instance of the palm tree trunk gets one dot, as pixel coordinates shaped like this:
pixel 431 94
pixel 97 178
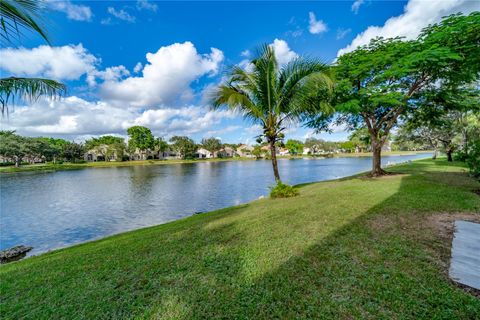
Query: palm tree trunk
pixel 274 160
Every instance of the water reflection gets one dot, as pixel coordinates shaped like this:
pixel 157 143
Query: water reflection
pixel 53 210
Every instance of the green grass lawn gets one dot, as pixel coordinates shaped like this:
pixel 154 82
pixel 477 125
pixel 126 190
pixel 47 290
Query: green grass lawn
pixel 354 248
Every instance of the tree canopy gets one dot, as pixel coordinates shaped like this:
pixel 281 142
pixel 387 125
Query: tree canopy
pixel 381 82
pixel 184 146
pixel 140 138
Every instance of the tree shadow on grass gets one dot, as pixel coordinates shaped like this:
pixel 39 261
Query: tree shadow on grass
pixel 383 262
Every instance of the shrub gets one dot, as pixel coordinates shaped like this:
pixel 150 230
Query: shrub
pixel 282 190
pixel 473 159
pixel 460 156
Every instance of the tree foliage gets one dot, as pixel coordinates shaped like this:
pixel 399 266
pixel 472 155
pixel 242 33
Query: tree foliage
pixel 140 138
pixel 14 16
pixel 211 144
pixel 294 146
pixel 184 146
pixel 381 82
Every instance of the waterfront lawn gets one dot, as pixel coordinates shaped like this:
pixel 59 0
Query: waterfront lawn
pixel 347 249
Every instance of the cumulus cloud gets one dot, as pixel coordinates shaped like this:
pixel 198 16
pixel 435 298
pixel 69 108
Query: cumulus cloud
pixel 109 74
pixel 68 117
pixel 316 26
pixel 166 76
pixel 61 63
pixel 147 5
pixel 121 14
pixel 283 52
pixel 74 117
pixel 417 15
pixel 73 11
pixel 356 5
pixel 138 67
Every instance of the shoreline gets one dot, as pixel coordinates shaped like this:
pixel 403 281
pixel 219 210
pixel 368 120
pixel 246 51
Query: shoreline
pixel 50 167
pixel 300 185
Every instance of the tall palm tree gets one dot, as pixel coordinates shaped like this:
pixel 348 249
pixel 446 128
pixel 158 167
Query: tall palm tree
pixel 16 15
pixel 275 96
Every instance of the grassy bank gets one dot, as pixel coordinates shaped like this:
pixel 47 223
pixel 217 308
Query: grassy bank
pixel 107 164
pixel 351 248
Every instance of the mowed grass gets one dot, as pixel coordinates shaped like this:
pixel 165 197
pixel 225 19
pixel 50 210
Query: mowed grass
pixel 347 249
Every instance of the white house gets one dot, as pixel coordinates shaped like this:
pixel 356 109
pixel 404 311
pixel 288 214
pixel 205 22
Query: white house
pixel 283 152
pixel 245 151
pixel 203 154
pixel 226 152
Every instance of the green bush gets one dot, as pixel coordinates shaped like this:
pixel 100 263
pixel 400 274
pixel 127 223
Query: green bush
pixel 460 156
pixel 282 190
pixel 473 159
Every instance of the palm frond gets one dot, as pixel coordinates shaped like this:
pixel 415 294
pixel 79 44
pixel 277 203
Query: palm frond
pixel 18 14
pixel 27 88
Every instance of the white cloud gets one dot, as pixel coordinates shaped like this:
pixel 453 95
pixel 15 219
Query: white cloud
pixel 295 33
pixel 69 117
pixel 75 117
pixel 109 74
pixel 341 33
pixel 316 26
pixel 145 4
pixel 73 11
pixel 138 67
pixel 60 63
pixel 417 15
pixel 283 52
pixel 356 5
pixel 245 53
pixel 121 14
pixel 166 76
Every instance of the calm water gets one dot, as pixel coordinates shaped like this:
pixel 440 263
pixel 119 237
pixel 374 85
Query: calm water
pixel 53 210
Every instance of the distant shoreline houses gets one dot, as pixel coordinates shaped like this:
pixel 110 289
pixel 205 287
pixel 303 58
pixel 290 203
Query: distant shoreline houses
pixel 108 153
pixel 102 153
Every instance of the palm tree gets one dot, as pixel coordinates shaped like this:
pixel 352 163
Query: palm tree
pixel 14 16
pixel 275 96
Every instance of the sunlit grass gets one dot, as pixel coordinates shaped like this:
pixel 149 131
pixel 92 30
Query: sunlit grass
pixel 353 248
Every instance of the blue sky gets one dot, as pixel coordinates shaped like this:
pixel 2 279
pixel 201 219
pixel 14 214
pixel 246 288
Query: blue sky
pixel 151 63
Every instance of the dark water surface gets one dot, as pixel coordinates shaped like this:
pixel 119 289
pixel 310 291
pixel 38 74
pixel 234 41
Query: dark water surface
pixel 53 210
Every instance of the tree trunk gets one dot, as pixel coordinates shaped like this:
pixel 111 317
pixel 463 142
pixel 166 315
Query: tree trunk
pixel 17 162
pixel 377 158
pixel 274 160
pixel 449 155
pixel 434 157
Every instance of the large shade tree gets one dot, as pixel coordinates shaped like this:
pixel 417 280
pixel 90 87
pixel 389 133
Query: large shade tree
pixel 275 96
pixel 212 144
pixel 381 82
pixel 183 146
pixel 17 16
pixel 140 138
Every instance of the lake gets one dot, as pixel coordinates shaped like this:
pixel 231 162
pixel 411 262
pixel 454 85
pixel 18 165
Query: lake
pixel 51 210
